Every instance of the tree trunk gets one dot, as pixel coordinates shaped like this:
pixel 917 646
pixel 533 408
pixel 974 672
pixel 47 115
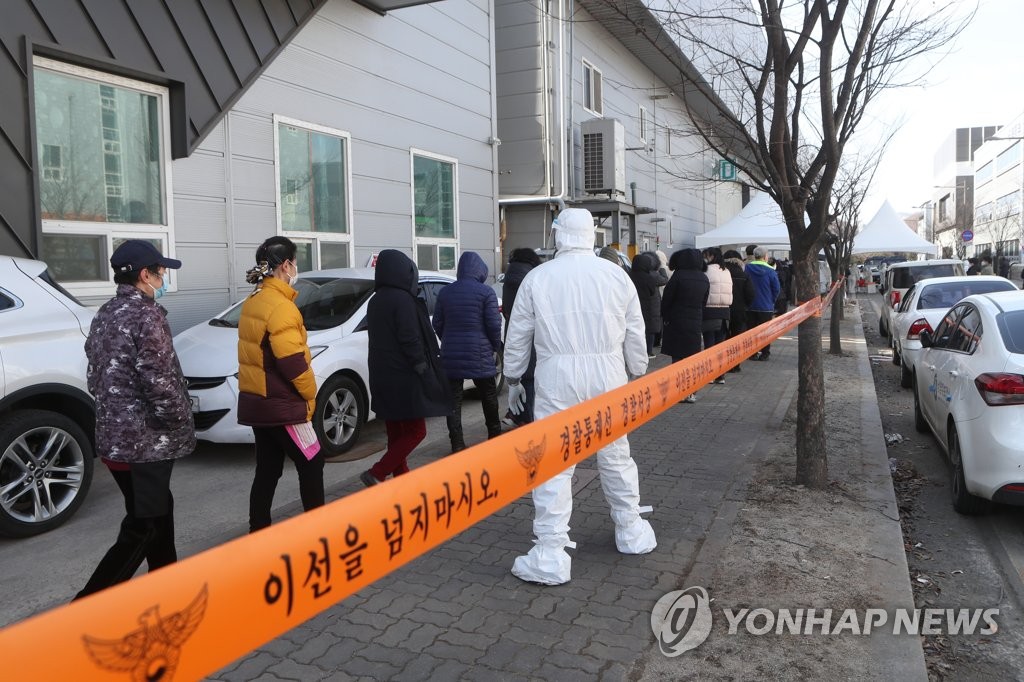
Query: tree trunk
pixel 835 345
pixel 811 457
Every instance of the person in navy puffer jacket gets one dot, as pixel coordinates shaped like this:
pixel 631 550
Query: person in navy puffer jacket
pixel 467 320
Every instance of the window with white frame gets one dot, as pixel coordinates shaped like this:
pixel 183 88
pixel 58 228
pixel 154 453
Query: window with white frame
pixel 642 127
pixel 592 96
pixel 313 183
pixel 435 210
pixel 104 171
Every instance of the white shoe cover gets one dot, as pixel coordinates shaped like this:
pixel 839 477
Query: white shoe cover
pixel 544 564
pixel 636 538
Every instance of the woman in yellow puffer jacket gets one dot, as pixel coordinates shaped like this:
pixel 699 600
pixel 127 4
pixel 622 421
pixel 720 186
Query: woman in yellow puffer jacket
pixel 275 381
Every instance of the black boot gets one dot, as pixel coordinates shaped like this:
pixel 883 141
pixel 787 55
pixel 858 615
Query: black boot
pixel 489 401
pixel 455 420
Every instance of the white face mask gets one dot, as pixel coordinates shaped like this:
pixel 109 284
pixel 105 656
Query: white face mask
pixel 295 275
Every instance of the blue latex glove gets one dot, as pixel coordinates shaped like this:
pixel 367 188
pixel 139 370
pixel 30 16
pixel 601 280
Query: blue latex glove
pixel 516 399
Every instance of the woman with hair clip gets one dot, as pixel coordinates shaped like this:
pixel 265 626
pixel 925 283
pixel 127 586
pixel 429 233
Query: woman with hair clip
pixel 275 382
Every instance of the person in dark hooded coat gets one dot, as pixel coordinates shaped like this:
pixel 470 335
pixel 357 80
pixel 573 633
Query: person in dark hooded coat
pixel 520 262
pixel 681 306
pixel 407 381
pixel 467 320
pixel 648 281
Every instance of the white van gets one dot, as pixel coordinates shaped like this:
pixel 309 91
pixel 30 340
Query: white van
pixel 899 277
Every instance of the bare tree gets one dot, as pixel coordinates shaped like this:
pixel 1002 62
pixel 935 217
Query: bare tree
pixel 780 88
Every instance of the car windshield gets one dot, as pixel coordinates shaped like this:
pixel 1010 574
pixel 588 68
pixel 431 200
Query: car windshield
pixel 949 294
pixel 1011 328
pixel 324 302
pixel 904 278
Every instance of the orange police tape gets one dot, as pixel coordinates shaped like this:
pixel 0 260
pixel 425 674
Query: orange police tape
pixel 194 617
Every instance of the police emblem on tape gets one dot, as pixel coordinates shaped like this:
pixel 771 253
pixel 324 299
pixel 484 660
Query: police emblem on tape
pixel 530 458
pixel 152 651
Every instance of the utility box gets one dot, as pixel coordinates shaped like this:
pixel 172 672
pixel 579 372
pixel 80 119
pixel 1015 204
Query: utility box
pixel 604 156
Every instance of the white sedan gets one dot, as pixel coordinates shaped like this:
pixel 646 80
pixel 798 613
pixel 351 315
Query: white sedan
pixel 922 308
pixel 969 391
pixel 333 307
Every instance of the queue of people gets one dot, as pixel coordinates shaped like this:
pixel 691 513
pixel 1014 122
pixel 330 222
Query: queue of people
pixel 560 349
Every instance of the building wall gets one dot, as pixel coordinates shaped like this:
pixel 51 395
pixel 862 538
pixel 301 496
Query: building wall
pixel 417 78
pixel 999 193
pixel 671 171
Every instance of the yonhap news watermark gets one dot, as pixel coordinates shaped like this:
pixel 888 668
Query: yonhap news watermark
pixel 682 620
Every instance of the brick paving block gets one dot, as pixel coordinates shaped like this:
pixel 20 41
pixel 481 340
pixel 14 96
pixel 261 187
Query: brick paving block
pixel 481 673
pixel 250 668
pixel 292 670
pixel 420 668
pixel 440 619
pixel 570 661
pixel 356 631
pixel 473 619
pixel 378 602
pixel 335 656
pixel 475 640
pixel 421 639
pixel 449 670
pixel 552 672
pixel 523 636
pixel 543 605
pixel 378 653
pixel 449 652
pixel 615 672
pixel 315 646
pixel 402 604
pixel 397 633
pixel 604 652
pixel 376 670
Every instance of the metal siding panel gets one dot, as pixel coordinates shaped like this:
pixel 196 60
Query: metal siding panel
pixel 188 308
pixel 202 267
pixel 205 49
pixel 122 34
pixel 200 220
pixel 232 37
pixel 252 136
pixel 377 160
pixel 380 196
pixel 280 17
pixel 197 174
pixel 214 141
pixel 260 34
pixel 389 230
pixel 253 180
pixel 71 27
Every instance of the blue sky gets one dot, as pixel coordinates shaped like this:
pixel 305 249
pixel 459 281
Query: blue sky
pixel 980 82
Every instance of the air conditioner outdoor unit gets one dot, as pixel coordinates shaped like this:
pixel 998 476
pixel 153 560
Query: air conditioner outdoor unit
pixel 604 156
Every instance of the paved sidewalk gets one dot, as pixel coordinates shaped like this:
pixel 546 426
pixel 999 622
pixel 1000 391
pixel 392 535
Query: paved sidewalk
pixel 458 613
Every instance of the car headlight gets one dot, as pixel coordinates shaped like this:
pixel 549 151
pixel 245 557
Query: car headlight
pixel 316 350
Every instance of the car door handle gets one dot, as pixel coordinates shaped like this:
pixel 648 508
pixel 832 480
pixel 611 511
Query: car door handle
pixel 931 367
pixel 954 373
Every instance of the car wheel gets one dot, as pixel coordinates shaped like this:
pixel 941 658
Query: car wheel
pixel 906 376
pixel 339 415
pixel 46 463
pixel 919 423
pixel 963 501
pixel 881 329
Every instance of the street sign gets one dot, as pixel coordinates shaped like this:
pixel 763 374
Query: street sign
pixel 967 235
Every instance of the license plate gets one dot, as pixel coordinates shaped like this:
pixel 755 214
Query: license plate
pixel 195 403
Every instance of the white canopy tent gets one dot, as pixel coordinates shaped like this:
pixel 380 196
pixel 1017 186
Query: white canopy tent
pixel 887 233
pixel 760 222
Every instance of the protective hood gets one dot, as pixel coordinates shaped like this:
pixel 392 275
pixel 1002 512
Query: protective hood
pixel 472 266
pixel 574 229
pixel 395 269
pixel 644 262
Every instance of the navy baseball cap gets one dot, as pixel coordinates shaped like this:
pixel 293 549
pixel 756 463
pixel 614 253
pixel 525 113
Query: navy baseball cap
pixel 138 254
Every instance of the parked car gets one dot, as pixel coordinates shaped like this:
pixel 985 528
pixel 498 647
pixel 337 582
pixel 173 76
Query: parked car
pixel 922 309
pixel 547 254
pixel 969 391
pixel 333 307
pixel 899 277
pixel 47 417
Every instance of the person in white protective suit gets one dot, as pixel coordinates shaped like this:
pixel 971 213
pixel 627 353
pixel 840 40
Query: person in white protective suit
pixel 582 315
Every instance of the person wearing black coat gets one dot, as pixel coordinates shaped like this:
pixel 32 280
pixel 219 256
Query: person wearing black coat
pixel 682 305
pixel 406 379
pixel 648 281
pixel 742 295
pixel 520 262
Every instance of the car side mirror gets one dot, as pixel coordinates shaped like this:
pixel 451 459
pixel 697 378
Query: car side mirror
pixel 926 339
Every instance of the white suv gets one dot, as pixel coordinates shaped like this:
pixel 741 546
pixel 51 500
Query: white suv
pixel 47 417
pixel 899 277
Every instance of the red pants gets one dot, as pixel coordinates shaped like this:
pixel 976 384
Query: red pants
pixel 403 437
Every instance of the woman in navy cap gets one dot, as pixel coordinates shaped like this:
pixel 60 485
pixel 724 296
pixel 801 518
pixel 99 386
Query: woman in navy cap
pixel 143 414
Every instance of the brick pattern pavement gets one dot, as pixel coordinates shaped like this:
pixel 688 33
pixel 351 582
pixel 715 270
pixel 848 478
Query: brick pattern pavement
pixel 458 613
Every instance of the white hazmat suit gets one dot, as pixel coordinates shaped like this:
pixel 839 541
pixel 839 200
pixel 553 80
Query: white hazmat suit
pixel 582 315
